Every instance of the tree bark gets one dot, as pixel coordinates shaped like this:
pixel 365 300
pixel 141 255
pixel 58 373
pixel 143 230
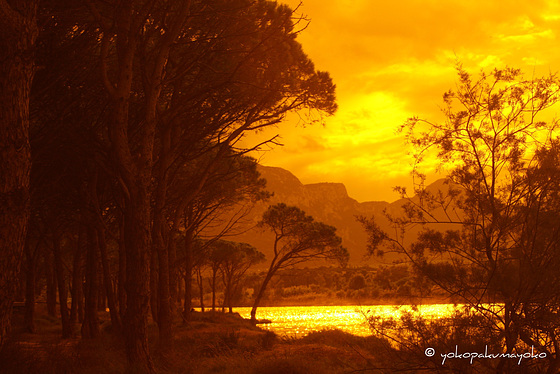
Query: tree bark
pixel 260 294
pixel 51 285
pixel 214 276
pixel 30 283
pixel 165 321
pixel 115 317
pixel 187 305
pixel 154 300
pixel 106 293
pixel 187 302
pixel 101 296
pixel 18 31
pixel 122 272
pixel 90 326
pixel 137 242
pixel 164 302
pixel 81 308
pixel 200 280
pixel 229 293
pixel 77 291
pixel 135 165
pixel 62 291
pixel 173 276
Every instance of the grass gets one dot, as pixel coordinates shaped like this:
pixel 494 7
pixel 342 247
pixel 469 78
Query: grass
pixel 210 343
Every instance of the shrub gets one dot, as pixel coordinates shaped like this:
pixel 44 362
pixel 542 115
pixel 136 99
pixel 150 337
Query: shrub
pixel 357 282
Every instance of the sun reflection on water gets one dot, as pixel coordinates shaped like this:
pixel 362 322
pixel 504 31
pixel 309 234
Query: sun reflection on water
pixel 297 321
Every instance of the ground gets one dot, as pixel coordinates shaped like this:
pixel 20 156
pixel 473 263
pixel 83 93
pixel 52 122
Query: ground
pixel 210 343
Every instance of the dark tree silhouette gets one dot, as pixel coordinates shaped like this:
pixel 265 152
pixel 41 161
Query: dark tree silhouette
pixel 138 110
pixel 219 209
pixel 237 258
pixel 297 238
pixel 488 235
pixel 18 32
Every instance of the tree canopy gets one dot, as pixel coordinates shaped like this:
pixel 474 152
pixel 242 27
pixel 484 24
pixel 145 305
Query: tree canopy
pixel 488 235
pixel 136 113
pixel 297 238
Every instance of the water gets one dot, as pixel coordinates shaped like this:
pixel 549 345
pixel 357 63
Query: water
pixel 298 321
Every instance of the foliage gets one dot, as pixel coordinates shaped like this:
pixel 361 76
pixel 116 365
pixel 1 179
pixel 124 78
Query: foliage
pixel 489 234
pixel 233 260
pixel 297 238
pixel 357 282
pixel 137 111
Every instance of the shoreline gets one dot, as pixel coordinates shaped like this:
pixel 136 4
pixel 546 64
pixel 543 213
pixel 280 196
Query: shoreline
pixel 296 302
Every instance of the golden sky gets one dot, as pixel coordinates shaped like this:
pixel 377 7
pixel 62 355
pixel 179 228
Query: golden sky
pixel 394 59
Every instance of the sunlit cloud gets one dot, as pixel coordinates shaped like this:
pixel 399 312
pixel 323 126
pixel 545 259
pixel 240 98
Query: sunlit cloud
pixel 393 60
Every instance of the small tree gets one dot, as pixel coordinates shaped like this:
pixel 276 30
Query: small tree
pixel 357 282
pixel 297 238
pixel 237 259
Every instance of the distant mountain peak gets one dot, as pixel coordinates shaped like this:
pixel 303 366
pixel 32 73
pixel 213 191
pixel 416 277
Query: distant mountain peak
pixel 334 189
pixel 326 202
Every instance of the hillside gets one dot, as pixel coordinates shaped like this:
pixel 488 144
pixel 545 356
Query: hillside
pixel 326 202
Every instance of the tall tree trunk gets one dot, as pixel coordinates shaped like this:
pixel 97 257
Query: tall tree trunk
pixel 214 276
pixel 173 274
pixel 260 294
pixel 137 241
pixel 154 300
pixel 187 303
pixel 122 272
pixel 200 281
pixel 225 299
pixel 51 285
pixel 101 296
pixel 230 292
pixel 81 308
pixel 201 289
pixel 30 284
pixel 180 292
pixel 62 291
pixel 18 31
pixel 135 166
pixel 227 294
pixel 165 315
pixel 77 291
pixel 115 317
pixel 187 306
pixel 90 326
pixel 165 322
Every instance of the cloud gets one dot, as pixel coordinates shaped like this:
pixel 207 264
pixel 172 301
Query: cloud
pixel 394 59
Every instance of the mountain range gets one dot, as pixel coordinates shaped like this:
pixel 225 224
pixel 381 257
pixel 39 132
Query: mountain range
pixel 325 202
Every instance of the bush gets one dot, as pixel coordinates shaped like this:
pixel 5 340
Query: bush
pixel 357 282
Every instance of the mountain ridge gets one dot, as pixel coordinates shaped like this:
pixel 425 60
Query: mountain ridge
pixel 326 202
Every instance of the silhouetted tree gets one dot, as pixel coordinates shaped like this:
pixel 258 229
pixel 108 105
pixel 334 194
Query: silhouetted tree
pixel 162 88
pixel 137 112
pixel 219 209
pixel 215 96
pixel 236 260
pixel 488 235
pixel 297 238
pixel 18 32
pixel 232 260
